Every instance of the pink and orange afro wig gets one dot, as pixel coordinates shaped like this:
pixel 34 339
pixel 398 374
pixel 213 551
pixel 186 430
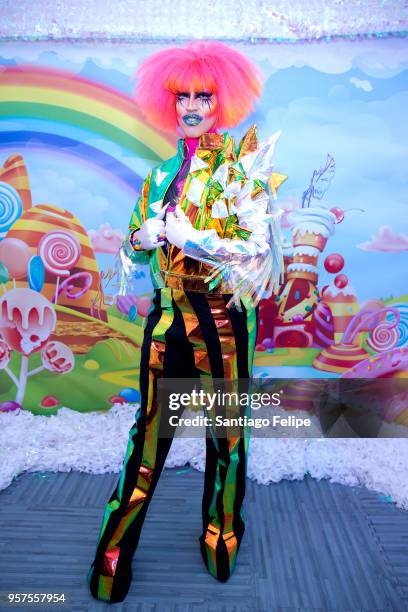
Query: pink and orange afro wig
pixel 204 66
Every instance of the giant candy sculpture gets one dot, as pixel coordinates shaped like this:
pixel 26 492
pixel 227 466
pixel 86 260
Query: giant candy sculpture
pixel 27 320
pixel 59 238
pixel 311 229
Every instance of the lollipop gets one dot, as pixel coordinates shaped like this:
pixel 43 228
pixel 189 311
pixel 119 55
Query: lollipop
pixel 143 306
pixel 27 319
pixel 4 275
pixel 132 313
pixel 15 255
pixel 57 357
pixel 36 273
pixel 4 354
pixel 125 302
pixel 11 207
pixel 60 251
pixel 384 337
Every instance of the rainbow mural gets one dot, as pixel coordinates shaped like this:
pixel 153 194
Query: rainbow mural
pixel 62 111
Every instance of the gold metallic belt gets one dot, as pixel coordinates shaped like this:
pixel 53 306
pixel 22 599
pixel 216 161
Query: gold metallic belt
pixel 192 283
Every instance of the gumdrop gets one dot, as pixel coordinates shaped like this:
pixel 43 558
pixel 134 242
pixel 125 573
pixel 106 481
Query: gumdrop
pixel 130 394
pixel 49 401
pixel 116 399
pixel 260 347
pixel 10 406
pixel 91 364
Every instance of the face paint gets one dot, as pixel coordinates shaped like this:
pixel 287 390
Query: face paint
pixel 196 112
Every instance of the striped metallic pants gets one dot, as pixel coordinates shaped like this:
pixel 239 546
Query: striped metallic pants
pixel 187 335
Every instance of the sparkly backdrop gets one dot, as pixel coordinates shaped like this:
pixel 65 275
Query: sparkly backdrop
pixel 240 20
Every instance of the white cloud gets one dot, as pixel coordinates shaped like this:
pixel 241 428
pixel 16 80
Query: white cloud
pixel 124 57
pixel 368 142
pixel 377 58
pixel 54 187
pixel 361 84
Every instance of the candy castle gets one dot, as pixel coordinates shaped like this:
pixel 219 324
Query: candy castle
pixel 298 297
pixel 302 316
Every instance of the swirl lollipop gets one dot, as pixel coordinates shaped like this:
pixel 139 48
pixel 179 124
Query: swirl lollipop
pixel 60 251
pixel 384 337
pixel 11 207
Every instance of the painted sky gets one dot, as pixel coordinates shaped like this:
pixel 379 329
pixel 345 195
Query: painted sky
pixel 347 99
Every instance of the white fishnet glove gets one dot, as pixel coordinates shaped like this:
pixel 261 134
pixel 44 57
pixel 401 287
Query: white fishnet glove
pixel 179 228
pixel 152 234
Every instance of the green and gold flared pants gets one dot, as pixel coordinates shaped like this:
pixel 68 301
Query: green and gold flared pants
pixel 187 334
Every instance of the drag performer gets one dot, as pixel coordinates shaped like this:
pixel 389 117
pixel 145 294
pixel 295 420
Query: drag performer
pixel 206 223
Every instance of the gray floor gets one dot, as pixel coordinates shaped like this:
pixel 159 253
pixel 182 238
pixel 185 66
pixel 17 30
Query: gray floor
pixel 308 546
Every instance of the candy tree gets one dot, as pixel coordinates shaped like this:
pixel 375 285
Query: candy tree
pixel 27 319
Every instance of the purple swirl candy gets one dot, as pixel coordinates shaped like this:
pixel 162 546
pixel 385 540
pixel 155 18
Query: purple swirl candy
pixel 67 286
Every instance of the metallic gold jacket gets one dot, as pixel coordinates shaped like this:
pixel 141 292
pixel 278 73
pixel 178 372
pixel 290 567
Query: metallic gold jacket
pixel 228 194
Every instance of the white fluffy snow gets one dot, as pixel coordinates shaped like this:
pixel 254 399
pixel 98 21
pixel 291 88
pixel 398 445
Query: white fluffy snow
pixel 95 442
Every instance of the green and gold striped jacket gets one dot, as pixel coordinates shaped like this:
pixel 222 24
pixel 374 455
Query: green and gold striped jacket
pixel 221 193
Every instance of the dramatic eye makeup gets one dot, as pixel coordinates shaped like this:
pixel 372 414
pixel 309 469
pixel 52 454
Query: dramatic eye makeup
pixel 181 96
pixel 202 96
pixel 205 97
